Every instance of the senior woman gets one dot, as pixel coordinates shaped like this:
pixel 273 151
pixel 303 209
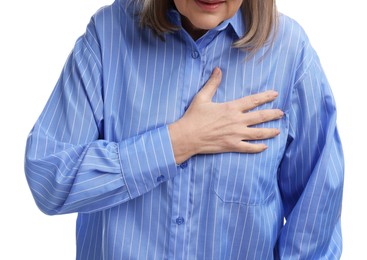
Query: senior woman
pixel 192 129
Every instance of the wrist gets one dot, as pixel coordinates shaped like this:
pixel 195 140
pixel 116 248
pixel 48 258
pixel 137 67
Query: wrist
pixel 182 145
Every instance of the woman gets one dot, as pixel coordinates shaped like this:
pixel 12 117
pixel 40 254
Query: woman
pixel 155 135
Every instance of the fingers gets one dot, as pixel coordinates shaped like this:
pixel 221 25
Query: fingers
pixel 211 86
pixel 250 102
pixel 259 133
pixel 256 134
pixel 245 147
pixel 261 116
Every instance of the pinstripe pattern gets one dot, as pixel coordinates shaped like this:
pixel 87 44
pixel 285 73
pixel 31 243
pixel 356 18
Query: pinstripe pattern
pixel 101 147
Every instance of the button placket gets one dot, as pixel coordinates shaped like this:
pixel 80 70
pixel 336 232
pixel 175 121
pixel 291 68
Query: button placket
pixel 180 192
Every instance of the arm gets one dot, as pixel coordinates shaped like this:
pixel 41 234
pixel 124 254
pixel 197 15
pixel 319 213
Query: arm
pixel 311 173
pixel 68 165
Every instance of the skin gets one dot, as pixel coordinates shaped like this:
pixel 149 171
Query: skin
pixel 198 16
pixel 208 127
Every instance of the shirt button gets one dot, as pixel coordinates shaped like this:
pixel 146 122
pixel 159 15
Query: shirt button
pixel 180 220
pixel 160 178
pixel 183 165
pixel 195 54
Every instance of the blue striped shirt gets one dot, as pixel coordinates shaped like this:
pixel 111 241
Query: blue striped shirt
pixel 101 147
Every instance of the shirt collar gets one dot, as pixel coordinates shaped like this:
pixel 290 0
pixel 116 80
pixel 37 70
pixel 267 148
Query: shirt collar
pixel 236 22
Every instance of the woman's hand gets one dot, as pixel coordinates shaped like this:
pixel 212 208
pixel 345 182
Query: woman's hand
pixel 209 127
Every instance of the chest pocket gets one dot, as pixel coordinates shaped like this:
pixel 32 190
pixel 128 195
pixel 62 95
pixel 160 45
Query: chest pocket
pixel 251 179
pixel 248 179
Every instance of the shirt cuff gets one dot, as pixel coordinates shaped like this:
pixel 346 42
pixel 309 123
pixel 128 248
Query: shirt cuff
pixel 147 160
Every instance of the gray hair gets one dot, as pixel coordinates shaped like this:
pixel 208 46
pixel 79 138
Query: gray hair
pixel 260 17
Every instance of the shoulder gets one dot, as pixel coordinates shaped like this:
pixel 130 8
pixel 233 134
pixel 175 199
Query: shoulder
pixel 111 21
pixel 114 13
pixel 293 41
pixel 290 34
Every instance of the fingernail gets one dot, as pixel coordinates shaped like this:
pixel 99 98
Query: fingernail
pixel 281 113
pixel 216 71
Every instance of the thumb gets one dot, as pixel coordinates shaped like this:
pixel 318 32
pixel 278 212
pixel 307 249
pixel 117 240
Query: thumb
pixel 211 86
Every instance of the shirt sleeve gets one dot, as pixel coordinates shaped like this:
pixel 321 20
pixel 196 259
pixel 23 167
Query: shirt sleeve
pixel 311 173
pixel 68 165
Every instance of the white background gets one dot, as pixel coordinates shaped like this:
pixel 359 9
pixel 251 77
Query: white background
pixel 37 36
